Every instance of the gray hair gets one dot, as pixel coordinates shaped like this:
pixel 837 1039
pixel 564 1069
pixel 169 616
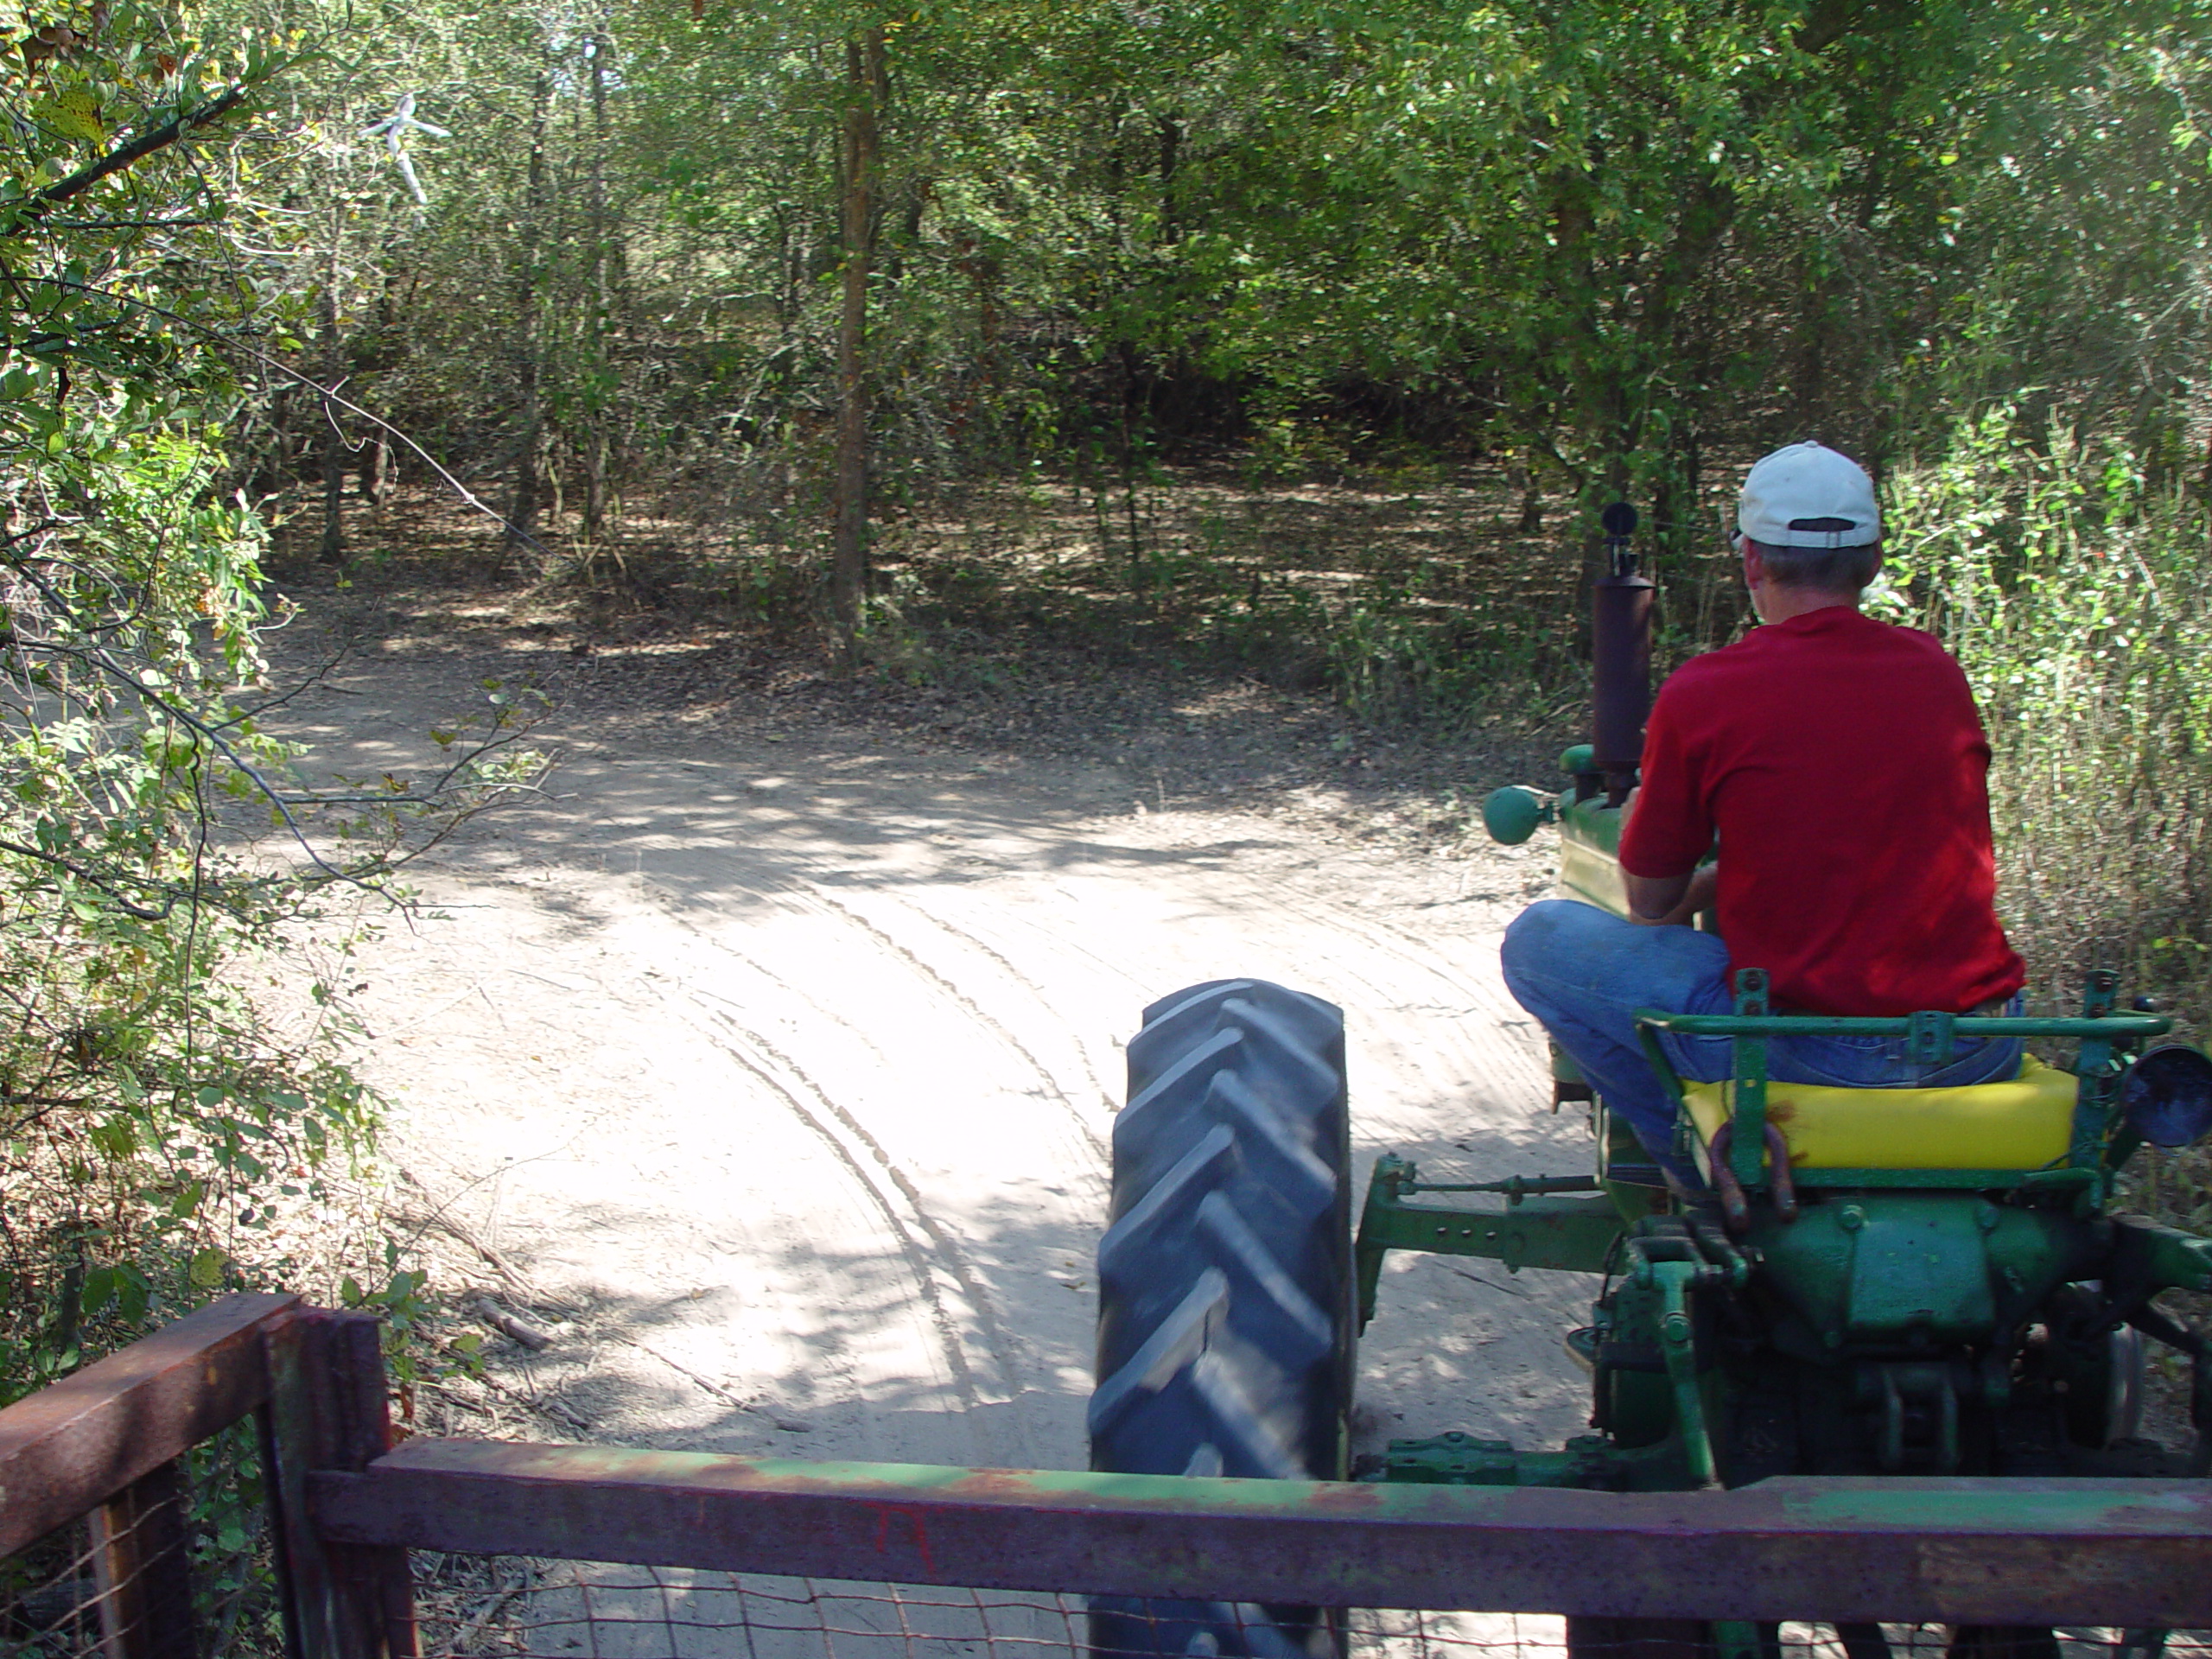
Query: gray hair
pixel 1824 570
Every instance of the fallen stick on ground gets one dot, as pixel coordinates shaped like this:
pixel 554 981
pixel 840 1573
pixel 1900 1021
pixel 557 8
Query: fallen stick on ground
pixel 512 1325
pixel 540 1406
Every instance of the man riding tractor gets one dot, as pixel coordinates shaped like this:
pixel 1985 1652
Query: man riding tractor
pixel 1841 763
pixel 1908 1260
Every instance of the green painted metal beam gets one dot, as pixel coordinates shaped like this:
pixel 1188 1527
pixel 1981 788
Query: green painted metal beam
pixel 2111 1026
pixel 1575 1235
pixel 2040 1552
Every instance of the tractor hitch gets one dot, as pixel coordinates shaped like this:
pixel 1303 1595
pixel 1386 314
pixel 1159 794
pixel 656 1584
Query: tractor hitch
pixel 1537 1229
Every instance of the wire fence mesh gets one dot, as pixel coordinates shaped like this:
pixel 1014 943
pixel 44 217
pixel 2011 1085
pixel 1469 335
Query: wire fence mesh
pixel 581 1609
pixel 473 1605
pixel 192 1551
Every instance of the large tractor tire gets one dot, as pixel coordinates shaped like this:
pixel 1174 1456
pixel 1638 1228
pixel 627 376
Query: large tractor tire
pixel 1225 1283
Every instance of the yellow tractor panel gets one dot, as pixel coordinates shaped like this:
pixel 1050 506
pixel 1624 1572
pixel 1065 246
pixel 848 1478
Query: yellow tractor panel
pixel 2023 1124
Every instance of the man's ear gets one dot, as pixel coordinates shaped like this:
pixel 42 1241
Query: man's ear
pixel 1754 561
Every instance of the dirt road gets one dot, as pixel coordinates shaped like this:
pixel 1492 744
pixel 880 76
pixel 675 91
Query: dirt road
pixel 777 1063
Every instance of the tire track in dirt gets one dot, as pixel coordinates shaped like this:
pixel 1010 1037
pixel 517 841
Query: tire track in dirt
pixel 944 1252
pixel 812 894
pixel 1391 943
pixel 1394 943
pixel 981 1015
pixel 1055 945
pixel 1373 967
pixel 817 894
pixel 918 1259
pixel 1108 1096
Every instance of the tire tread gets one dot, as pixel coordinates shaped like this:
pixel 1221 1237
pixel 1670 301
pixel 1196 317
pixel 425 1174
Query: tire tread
pixel 1226 1281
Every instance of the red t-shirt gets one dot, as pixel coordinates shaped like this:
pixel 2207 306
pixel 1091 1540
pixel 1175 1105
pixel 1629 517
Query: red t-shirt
pixel 1843 766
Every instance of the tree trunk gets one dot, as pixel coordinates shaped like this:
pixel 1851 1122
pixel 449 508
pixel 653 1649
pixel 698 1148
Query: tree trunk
pixel 599 404
pixel 1599 397
pixel 864 71
pixel 1129 467
pixel 333 437
pixel 522 506
pixel 1170 130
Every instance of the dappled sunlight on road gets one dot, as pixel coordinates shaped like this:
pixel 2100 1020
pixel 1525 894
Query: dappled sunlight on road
pixel 776 1076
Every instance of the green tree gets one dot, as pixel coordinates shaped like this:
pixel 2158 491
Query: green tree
pixel 147 1114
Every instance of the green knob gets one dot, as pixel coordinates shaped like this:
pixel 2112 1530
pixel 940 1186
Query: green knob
pixel 1512 814
pixel 1581 758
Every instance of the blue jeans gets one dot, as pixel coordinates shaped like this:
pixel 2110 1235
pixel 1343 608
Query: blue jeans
pixel 1583 972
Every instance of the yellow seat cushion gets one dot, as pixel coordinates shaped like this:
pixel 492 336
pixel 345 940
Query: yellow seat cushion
pixel 2023 1124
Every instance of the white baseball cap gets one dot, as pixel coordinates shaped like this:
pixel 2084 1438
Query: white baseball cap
pixel 1790 491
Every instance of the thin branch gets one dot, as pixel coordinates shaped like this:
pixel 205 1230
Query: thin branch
pixel 329 397
pixel 143 146
pixel 39 528
pixel 97 657
pixel 222 746
pixel 84 875
pixel 385 864
pixel 139 606
pixel 45 1108
pixel 279 701
pixel 125 223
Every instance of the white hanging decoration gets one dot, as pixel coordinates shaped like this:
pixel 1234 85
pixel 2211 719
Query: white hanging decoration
pixel 393 129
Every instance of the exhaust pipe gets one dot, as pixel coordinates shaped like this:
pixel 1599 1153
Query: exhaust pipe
pixel 1621 699
pixel 1621 658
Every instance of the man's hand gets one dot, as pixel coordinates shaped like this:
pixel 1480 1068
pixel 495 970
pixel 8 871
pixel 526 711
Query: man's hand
pixel 1670 901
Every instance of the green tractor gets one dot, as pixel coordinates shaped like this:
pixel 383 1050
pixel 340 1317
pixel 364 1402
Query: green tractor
pixel 1883 1282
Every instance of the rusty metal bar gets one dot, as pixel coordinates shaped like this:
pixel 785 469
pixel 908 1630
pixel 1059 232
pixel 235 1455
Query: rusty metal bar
pixel 72 1446
pixel 1956 1551
pixel 328 1411
pixel 143 1565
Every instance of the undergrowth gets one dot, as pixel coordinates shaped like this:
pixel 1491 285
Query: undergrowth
pixel 2064 577
pixel 2073 593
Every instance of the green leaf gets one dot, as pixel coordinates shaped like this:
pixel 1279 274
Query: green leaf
pixel 74 112
pixel 98 1290
pixel 116 1137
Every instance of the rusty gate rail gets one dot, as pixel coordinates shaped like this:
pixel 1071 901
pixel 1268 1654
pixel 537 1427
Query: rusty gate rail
pixel 107 1445
pixel 1938 1550
pixel 88 1436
